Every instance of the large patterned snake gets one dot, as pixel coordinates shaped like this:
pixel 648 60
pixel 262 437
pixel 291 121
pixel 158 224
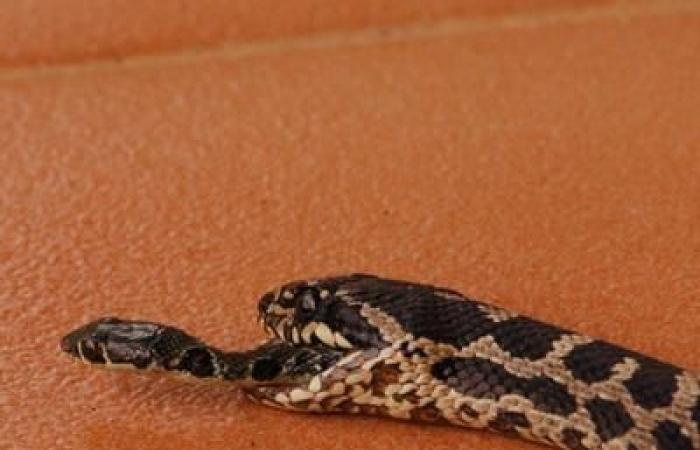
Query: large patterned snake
pixel 364 344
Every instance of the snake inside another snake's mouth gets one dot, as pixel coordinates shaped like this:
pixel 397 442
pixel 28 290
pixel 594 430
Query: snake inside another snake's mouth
pixel 364 344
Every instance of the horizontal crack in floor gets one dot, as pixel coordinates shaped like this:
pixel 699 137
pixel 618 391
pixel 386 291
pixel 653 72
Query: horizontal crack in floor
pixel 362 37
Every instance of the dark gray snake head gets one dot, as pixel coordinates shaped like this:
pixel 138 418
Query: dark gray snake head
pixel 110 340
pixel 141 345
pixel 324 312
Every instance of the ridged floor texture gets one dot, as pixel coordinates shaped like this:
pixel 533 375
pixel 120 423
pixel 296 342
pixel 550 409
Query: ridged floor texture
pixel 171 163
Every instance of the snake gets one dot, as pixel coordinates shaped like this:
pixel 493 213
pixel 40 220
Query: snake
pixel 364 344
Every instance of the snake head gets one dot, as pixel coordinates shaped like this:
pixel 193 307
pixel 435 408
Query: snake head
pixel 111 341
pixel 318 312
pixel 139 345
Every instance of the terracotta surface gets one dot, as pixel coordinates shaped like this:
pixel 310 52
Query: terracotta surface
pixel 50 31
pixel 548 162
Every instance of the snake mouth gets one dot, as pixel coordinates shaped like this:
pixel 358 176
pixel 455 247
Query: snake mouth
pixel 317 312
pixel 282 327
pixel 312 333
pixel 282 318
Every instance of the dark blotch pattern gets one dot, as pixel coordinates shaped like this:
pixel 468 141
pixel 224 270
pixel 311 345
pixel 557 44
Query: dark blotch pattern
pixel 610 418
pixel 197 361
pixel 594 362
pixel 424 311
pixel 265 369
pixel 550 396
pixel 669 437
pixel 572 439
pixel 653 384
pixel 346 320
pixel 526 338
pixel 446 316
pixel 481 378
pixel 695 412
pixel 169 344
pixel 275 358
pixel 506 422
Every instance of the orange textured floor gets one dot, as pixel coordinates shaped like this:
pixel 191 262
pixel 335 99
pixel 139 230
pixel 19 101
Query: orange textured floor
pixel 548 161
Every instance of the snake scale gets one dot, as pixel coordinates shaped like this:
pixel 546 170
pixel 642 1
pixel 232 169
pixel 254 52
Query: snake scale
pixel 369 345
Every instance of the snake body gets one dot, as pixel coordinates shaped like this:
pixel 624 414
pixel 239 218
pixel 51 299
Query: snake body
pixel 369 345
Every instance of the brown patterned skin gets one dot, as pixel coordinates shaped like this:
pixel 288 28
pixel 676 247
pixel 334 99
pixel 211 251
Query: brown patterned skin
pixel 364 344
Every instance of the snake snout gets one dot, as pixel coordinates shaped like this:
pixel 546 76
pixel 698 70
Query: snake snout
pixel 113 341
pixel 265 302
pixel 84 343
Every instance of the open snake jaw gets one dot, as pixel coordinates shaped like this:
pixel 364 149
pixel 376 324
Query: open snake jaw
pixel 438 323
